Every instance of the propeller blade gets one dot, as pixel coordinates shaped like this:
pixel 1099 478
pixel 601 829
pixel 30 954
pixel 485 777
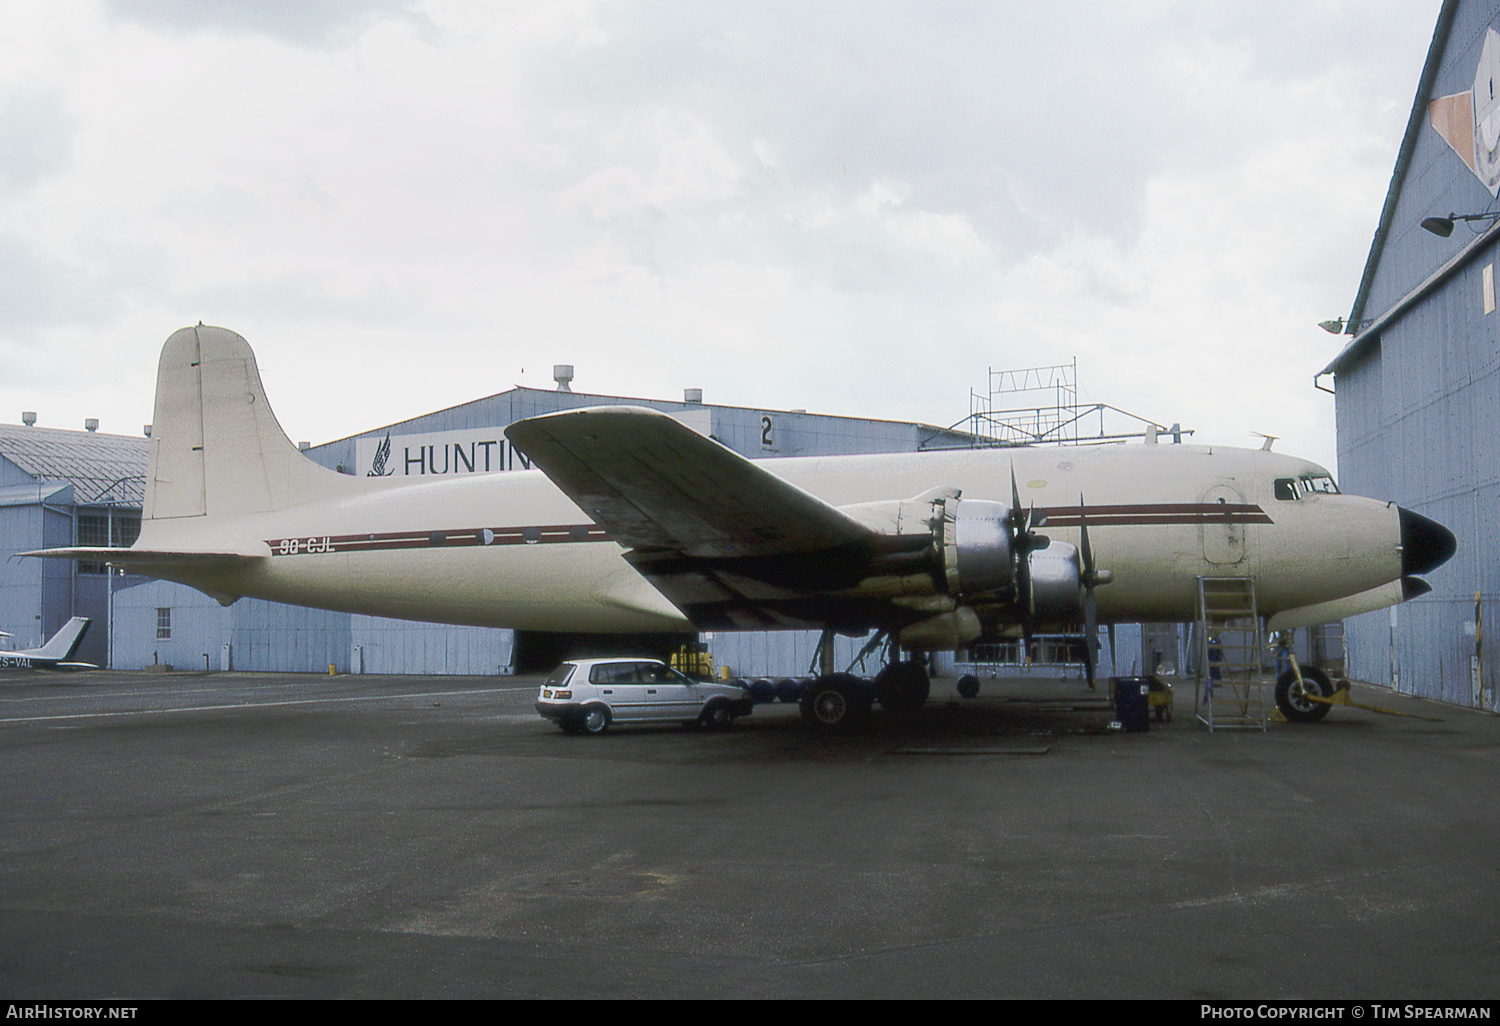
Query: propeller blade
pixel 1090 608
pixel 1085 548
pixel 1091 634
pixel 1021 540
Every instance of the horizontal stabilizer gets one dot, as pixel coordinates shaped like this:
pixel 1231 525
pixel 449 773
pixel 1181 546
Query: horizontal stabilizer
pixel 141 559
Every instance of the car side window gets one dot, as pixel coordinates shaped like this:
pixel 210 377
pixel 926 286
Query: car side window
pixel 662 674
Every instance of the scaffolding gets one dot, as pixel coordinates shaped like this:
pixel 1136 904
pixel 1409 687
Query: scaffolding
pixel 1051 413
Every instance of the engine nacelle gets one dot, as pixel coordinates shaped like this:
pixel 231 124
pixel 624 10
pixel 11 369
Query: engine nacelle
pixel 946 557
pixel 978 555
pixel 1056 576
pixel 950 631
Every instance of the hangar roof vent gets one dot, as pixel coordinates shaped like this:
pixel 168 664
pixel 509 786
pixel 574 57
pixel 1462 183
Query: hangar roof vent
pixel 562 373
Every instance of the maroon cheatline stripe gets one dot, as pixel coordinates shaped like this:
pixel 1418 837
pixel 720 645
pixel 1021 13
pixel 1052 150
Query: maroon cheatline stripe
pixel 1164 514
pixel 390 541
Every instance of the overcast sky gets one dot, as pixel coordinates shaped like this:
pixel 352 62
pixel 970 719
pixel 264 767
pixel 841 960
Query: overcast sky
pixel 853 208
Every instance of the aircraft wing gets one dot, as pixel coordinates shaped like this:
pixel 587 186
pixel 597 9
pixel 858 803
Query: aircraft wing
pixel 655 483
pixel 727 542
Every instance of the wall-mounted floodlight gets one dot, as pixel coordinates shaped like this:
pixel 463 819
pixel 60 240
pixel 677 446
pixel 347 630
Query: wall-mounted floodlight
pixel 1339 326
pixel 1443 226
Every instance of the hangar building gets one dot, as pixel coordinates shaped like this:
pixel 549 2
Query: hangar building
pixel 64 488
pixel 1418 384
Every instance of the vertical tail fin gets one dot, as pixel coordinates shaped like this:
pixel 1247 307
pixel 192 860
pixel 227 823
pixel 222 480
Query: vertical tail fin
pixel 65 642
pixel 216 447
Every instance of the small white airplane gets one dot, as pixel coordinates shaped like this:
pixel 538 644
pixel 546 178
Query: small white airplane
pixel 56 654
pixel 636 523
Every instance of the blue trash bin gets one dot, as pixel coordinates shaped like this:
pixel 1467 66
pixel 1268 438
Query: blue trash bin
pixel 1132 703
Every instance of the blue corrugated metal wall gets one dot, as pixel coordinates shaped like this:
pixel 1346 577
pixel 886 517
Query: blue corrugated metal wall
pixel 1419 412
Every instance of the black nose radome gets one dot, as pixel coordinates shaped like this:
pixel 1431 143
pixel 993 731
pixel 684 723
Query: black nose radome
pixel 1425 544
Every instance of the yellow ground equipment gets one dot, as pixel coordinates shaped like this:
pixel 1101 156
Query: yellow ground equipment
pixel 693 660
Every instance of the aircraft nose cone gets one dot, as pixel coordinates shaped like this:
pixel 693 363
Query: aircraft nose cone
pixel 1425 544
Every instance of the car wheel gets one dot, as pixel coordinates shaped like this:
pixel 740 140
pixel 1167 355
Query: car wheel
pixel 1292 699
pixel 595 719
pixel 718 716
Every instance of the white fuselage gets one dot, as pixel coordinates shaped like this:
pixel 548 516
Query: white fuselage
pixel 510 550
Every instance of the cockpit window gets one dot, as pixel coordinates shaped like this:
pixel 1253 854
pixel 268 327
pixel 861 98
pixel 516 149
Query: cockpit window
pixel 1322 483
pixel 1286 488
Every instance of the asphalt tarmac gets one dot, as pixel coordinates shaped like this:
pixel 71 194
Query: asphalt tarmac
pixel 242 835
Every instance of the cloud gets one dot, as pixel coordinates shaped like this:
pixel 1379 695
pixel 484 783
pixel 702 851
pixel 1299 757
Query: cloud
pixel 310 23
pixel 39 290
pixel 838 206
pixel 36 136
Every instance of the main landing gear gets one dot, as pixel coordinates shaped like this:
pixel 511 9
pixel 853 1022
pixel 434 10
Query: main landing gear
pixel 903 687
pixel 839 702
pixel 836 702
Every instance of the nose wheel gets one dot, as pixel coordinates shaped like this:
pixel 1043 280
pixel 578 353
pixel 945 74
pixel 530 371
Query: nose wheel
pixel 1292 695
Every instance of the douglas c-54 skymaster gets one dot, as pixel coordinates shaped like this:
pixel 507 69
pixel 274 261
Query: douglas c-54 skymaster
pixel 635 523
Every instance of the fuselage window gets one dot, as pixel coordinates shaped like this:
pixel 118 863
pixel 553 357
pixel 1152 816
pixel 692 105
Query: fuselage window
pixel 1286 488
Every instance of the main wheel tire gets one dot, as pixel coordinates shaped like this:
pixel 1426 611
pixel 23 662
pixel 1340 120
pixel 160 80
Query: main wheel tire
pixel 903 687
pixel 595 719
pixel 1292 700
pixel 968 686
pixel 836 703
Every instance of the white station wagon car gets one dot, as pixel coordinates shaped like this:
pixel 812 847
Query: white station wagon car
pixel 587 695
